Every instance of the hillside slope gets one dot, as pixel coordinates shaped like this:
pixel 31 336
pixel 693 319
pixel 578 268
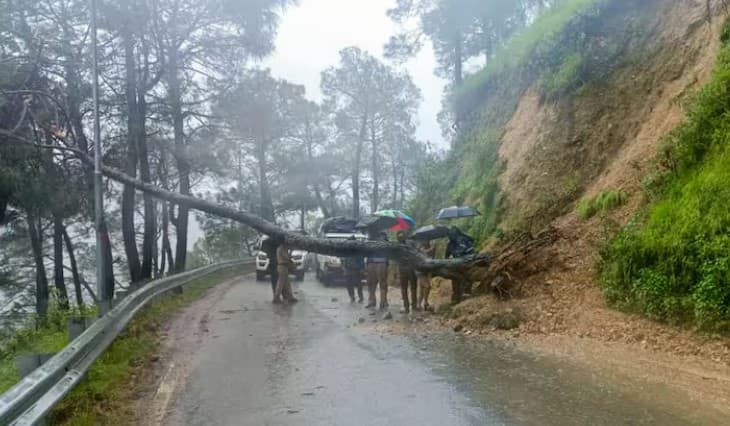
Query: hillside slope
pixel 603 134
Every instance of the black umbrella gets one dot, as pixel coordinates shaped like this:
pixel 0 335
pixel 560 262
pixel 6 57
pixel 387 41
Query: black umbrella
pixel 376 223
pixel 430 232
pixel 457 212
pixel 340 224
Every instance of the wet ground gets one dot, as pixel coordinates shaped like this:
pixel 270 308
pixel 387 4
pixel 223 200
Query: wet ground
pixel 326 362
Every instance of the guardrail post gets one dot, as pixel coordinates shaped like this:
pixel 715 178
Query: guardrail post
pixel 26 365
pixel 118 296
pixel 104 307
pixel 76 326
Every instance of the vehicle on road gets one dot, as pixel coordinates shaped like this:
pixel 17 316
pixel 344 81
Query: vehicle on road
pixel 262 262
pixel 330 270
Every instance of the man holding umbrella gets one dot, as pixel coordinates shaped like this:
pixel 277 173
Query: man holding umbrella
pixel 460 244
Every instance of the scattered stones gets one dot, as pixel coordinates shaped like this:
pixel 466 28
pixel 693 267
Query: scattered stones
pixel 507 320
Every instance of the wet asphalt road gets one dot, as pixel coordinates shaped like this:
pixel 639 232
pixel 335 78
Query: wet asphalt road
pixel 318 363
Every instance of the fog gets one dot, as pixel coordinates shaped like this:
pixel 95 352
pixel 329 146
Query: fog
pixel 311 35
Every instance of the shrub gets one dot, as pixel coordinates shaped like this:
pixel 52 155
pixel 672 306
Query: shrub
pixel 673 262
pixel 605 201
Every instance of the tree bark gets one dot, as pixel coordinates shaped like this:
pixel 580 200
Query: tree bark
pixel 58 278
pixel 74 269
pixel 166 257
pixel 41 280
pixel 74 100
pixel 180 154
pixel 133 124
pixel 462 268
pixel 150 215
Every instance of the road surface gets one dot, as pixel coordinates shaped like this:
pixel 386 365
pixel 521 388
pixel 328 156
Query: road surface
pixel 239 360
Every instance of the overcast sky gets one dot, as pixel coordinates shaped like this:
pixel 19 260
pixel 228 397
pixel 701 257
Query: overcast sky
pixel 311 35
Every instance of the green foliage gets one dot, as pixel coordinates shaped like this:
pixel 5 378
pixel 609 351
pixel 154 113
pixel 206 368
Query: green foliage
pixel 528 49
pixel 673 263
pixel 467 176
pixel 567 75
pixel 479 182
pixel 605 201
pixel 109 377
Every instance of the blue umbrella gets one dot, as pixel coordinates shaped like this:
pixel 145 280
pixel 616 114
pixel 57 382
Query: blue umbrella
pixel 457 212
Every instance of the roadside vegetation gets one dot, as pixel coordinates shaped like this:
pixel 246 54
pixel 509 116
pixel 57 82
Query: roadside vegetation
pixel 107 394
pixel 672 263
pixel 603 202
pixel 115 381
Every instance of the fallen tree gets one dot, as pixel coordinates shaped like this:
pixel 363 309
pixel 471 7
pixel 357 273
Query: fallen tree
pixel 496 273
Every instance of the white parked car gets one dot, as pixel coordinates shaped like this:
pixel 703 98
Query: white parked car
pixel 331 269
pixel 262 262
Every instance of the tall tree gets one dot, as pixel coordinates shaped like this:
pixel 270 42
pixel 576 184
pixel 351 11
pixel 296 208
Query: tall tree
pixel 368 100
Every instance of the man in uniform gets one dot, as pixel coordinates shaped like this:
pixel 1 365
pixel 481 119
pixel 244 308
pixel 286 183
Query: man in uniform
pixel 283 287
pixel 424 279
pixel 377 269
pixel 407 280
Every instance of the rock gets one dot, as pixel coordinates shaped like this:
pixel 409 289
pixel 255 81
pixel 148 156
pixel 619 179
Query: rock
pixel 507 320
pixel 334 299
pixel 388 316
pixel 458 328
pixel 361 320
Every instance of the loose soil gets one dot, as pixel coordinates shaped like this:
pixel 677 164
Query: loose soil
pixel 595 142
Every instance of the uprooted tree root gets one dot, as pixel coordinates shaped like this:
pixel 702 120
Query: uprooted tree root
pixel 513 263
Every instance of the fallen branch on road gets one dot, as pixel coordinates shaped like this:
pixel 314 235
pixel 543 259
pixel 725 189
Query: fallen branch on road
pixel 493 273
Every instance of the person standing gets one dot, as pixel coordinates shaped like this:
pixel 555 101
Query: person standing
pixel 459 245
pixel 377 271
pixel 354 266
pixel 283 286
pixel 408 281
pixel 269 246
pixel 424 279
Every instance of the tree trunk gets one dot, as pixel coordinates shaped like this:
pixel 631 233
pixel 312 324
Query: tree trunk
pixel 183 165
pixel 315 184
pixel 461 268
pixel 58 278
pixel 376 174
pixel 267 205
pixel 166 247
pixel 74 269
pixel 356 170
pixel 128 194
pixel 74 99
pixel 41 280
pixel 149 203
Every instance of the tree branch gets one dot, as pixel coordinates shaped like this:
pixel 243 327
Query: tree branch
pixel 461 268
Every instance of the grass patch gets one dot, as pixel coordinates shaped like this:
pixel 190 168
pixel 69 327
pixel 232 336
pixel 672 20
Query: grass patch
pixel 603 202
pixel 673 262
pixel 108 393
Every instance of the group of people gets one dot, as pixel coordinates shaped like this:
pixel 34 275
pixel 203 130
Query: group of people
pixel 415 286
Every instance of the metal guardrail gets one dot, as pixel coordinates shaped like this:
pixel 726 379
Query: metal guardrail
pixel 35 395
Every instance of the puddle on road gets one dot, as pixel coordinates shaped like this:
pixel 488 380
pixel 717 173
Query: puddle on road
pixel 538 390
